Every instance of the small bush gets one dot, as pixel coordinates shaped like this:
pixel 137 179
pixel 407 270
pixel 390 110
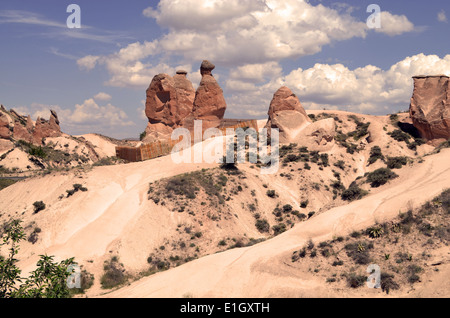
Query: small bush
pixel 399 135
pixel 358 251
pixel 271 193
pixel 340 164
pixel 279 228
pixel 396 162
pixel 39 206
pixel 354 192
pixel 355 281
pixel 262 226
pixel 114 274
pixel 375 154
pixel 388 283
pixel 37 152
pixel 380 177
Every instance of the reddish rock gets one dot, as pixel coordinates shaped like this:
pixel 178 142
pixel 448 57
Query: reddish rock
pixel 209 103
pixel 430 106
pixel 169 101
pixel 22 133
pixel 46 129
pixel 185 96
pixel 287 114
pixel 5 132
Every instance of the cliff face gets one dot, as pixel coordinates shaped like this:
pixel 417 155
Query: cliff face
pixel 430 106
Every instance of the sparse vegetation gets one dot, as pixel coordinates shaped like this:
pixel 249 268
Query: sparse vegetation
pixel 39 206
pixel 396 162
pixel 114 274
pixel 262 225
pixel 375 154
pixel 76 187
pixel 4 183
pixel 354 192
pixel 380 177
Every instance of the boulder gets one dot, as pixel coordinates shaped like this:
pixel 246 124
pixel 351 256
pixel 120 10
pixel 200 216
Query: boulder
pixel 430 106
pixel 287 114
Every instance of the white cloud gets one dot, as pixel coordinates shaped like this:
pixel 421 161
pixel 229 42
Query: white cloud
pixel 88 62
pixel 393 25
pixel 251 36
pixel 86 117
pixel 442 17
pixel 256 72
pixel 102 97
pixel 366 89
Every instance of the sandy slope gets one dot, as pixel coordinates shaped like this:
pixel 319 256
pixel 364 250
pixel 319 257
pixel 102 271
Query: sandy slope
pixel 115 216
pixel 257 272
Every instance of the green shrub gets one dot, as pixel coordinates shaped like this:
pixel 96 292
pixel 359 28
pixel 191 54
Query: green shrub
pixel 354 192
pixel 262 225
pixel 375 154
pixel 355 281
pixel 39 206
pixel 37 152
pixel 114 274
pixel 380 177
pixel 279 228
pixel 271 193
pixel 358 251
pixel 304 204
pixel 340 164
pixel 388 283
pixel 399 135
pixel 4 183
pixel 396 162
pixel 375 232
pixel 324 159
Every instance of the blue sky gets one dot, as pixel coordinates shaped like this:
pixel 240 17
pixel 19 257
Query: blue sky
pixel 95 77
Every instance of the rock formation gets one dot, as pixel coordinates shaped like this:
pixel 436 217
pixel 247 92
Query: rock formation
pixel 209 103
pixel 430 106
pixel 18 127
pixel 169 102
pixel 287 114
pixel 5 133
pixel 45 129
pixel 172 102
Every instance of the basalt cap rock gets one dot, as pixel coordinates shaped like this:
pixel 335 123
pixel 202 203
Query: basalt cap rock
pixel 207 67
